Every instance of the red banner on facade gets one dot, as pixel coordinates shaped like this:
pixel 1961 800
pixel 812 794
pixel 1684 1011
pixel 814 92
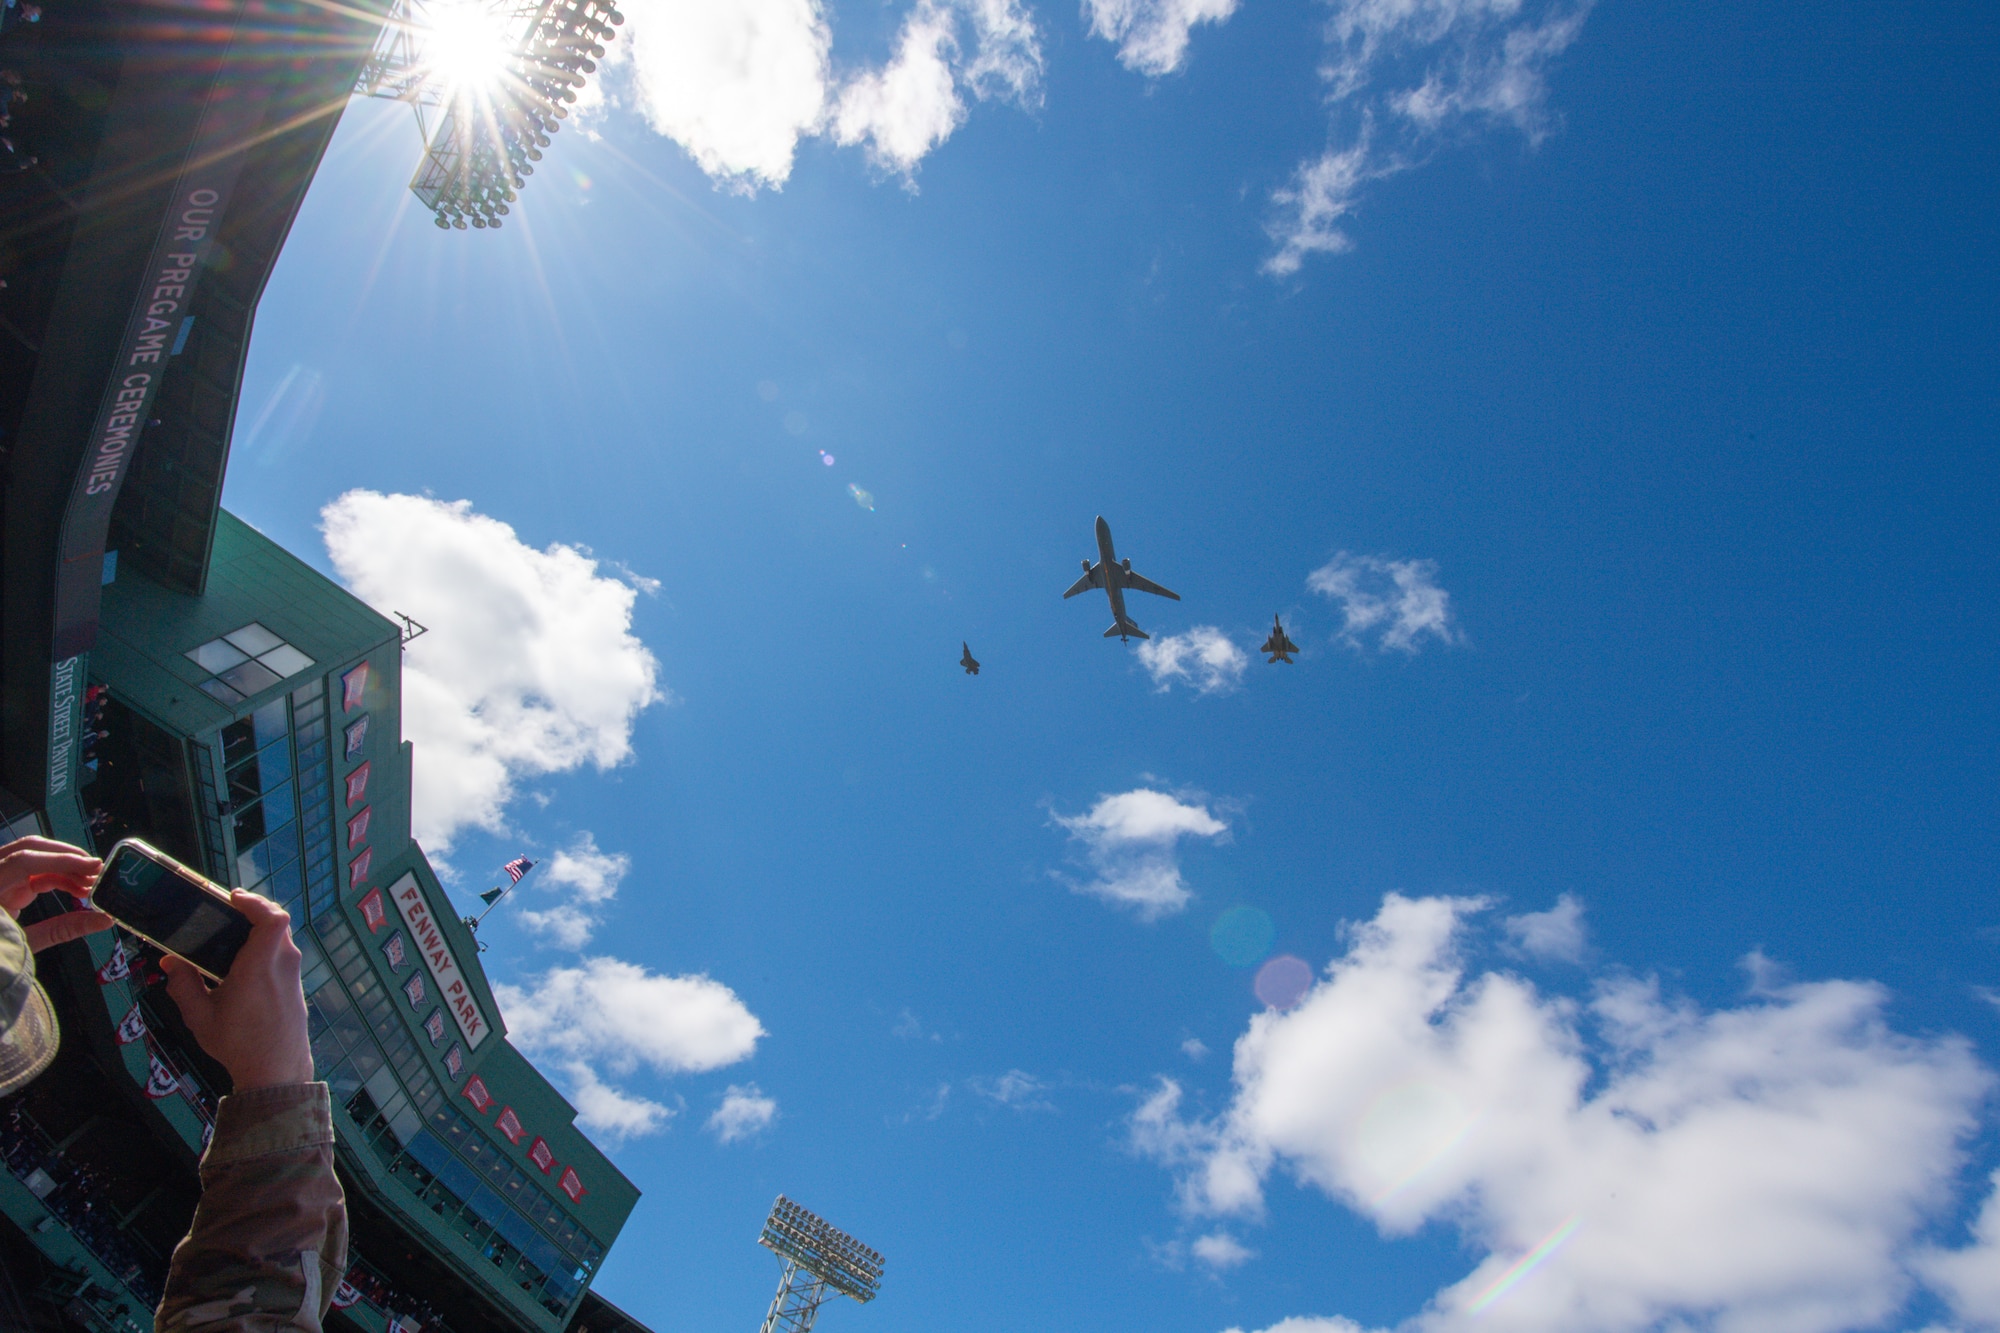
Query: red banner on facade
pixel 352 686
pixel 541 1154
pixel 510 1125
pixel 357 784
pixel 357 828
pixel 476 1093
pixel 572 1185
pixel 372 910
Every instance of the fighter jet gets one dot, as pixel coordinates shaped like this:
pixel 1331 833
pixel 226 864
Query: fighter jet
pixel 1115 577
pixel 1278 646
pixel 969 662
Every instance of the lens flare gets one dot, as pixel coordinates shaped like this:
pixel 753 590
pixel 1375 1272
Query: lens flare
pixel 861 497
pixel 1242 935
pixel 1523 1266
pixel 1284 981
pixel 1407 1130
pixel 465 46
pixel 826 458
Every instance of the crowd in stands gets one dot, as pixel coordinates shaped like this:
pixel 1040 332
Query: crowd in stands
pixel 77 1196
pixel 412 1312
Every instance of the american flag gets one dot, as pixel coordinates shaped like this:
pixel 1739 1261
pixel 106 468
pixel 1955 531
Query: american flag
pixel 518 867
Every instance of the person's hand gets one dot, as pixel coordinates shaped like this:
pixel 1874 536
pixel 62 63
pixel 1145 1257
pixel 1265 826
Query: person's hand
pixel 33 866
pixel 254 1020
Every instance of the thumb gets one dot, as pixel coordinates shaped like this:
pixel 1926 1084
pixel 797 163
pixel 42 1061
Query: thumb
pixel 62 929
pixel 189 991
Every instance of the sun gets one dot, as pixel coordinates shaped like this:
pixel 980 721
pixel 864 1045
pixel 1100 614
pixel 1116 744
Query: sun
pixel 465 47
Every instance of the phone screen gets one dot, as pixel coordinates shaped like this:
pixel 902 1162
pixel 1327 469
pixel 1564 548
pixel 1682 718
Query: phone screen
pixel 171 909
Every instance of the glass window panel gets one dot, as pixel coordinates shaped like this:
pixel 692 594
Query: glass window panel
pixel 367 1059
pixel 312 731
pixel 253 865
pixel 250 678
pixel 239 742
pixel 215 656
pixel 220 692
pixel 457 1177
pixel 404 1122
pixel 313 755
pixel 476 1149
pixel 253 639
pixel 271 722
pixel 343 1082
pixel 516 1230
pixel 285 660
pixel 308 698
pixel 486 1204
pixel 543 1255
pixel 248 827
pixel 326 1052
pixel 286 884
pixel 382 1086
pixel 274 761
pixel 283 840
pixel 348 1029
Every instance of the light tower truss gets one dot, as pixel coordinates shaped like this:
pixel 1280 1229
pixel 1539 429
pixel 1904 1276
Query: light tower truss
pixel 820 1259
pixel 482 138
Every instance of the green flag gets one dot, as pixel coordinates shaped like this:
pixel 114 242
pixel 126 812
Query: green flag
pixel 492 896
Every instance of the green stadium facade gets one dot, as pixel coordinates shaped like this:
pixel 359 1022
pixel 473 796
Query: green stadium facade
pixel 168 672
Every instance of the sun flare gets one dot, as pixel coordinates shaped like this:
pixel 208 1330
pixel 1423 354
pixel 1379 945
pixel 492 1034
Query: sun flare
pixel 466 47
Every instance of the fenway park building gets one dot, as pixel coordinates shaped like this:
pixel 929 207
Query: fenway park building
pixel 168 672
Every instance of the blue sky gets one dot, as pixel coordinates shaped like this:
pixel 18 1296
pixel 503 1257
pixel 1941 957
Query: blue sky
pixel 1652 348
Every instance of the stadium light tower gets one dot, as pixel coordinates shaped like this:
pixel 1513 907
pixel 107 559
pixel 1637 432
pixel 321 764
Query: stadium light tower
pixel 499 76
pixel 818 1258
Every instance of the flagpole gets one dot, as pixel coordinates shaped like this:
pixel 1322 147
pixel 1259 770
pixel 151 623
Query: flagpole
pixel 505 889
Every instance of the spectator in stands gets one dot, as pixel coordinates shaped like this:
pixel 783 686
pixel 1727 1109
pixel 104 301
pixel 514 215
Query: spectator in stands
pixel 269 1239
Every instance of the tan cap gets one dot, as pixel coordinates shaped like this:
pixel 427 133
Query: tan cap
pixel 28 1032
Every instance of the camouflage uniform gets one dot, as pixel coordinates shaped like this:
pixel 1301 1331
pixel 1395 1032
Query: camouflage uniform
pixel 269 1240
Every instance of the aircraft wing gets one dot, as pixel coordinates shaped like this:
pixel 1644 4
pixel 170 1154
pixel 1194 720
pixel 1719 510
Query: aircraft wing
pixel 1094 578
pixel 1140 583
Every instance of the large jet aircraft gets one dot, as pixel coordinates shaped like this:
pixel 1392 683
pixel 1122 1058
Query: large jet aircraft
pixel 1115 577
pixel 1279 645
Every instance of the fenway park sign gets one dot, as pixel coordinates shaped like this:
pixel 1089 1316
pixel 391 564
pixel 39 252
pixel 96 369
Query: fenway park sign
pixel 444 969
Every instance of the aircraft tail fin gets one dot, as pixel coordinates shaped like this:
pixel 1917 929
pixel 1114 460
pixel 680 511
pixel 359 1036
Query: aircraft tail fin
pixel 1125 629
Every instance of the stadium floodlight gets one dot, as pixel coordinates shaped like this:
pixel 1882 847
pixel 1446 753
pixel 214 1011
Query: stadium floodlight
pixel 499 76
pixel 818 1258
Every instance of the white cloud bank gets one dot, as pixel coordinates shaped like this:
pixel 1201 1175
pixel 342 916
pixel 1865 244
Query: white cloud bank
pixel 589 878
pixel 1556 934
pixel 740 83
pixel 1152 35
pixel 1392 603
pixel 1771 1166
pixel 608 1016
pixel 1402 77
pixel 530 665
pixel 1203 658
pixel 1130 841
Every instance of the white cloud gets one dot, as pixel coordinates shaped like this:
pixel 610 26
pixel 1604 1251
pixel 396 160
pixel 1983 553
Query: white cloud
pixel 1220 1251
pixel 609 1113
pixel 1203 658
pixel 740 83
pixel 1016 1089
pixel 911 105
pixel 1310 1324
pixel 1195 1049
pixel 1152 35
pixel 1130 839
pixel 745 1111
pixel 1401 77
pixel 1555 934
pixel 530 665
pixel 1969 1278
pixel 591 876
pixel 1763 1167
pixel 1397 602
pixel 736 83
pixel 1322 195
pixel 606 1015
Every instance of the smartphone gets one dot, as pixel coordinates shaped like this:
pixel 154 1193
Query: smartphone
pixel 170 906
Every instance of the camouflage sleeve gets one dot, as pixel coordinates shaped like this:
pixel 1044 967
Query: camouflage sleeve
pixel 269 1240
